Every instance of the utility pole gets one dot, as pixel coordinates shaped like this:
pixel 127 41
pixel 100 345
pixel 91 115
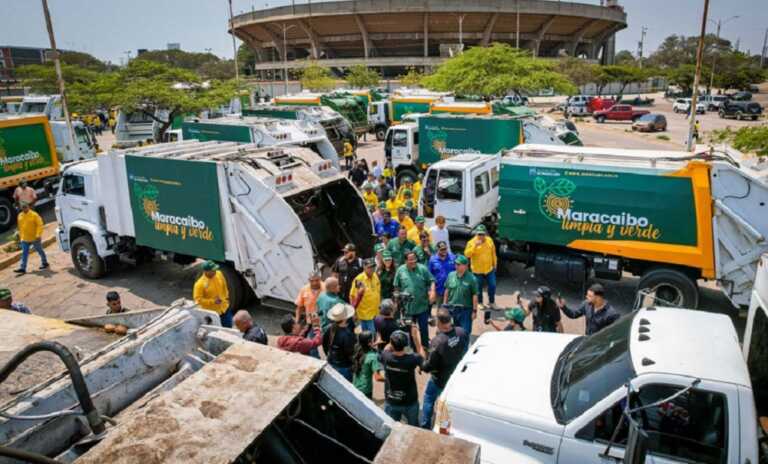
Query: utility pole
pixel 643 32
pixel 697 77
pixel 717 50
pixel 286 27
pixel 234 47
pixel 765 49
pixel 517 27
pixel 127 57
pixel 59 75
pixel 461 32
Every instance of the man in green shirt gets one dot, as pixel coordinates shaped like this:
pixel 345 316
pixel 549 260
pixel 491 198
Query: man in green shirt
pixel 327 300
pixel 460 294
pixel 399 246
pixel 416 280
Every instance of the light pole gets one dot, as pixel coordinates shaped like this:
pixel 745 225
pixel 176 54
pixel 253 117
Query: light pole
pixel 697 77
pixel 719 24
pixel 234 47
pixel 127 56
pixel 286 28
pixel 461 31
pixel 517 26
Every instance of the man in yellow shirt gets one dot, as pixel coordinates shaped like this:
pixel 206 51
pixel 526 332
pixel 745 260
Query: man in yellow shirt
pixel 365 295
pixel 407 186
pixel 482 253
pixel 211 292
pixel 392 204
pixel 30 231
pixel 403 219
pixel 414 234
pixel 417 188
pixel 349 154
pixel 369 196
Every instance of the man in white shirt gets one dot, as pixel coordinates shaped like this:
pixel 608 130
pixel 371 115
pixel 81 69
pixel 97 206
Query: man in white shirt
pixel 440 231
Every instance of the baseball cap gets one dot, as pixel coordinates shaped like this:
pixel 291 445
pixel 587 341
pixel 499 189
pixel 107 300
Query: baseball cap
pixel 461 259
pixel 419 220
pixel 378 247
pixel 350 247
pixel 515 314
pixel 481 229
pixel 386 254
pixel 382 205
pixel 210 266
pixel 370 262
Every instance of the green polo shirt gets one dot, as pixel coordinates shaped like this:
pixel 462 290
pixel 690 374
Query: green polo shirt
pixel 325 302
pixel 422 255
pixel 398 250
pixel 417 283
pixel 461 289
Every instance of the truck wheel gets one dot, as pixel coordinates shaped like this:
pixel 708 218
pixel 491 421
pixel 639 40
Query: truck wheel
pixel 671 288
pixel 235 287
pixel 86 258
pixel 405 173
pixel 381 133
pixel 7 214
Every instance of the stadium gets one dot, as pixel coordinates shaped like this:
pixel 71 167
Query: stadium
pixel 392 35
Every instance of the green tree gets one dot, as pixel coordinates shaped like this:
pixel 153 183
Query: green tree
pixel 683 76
pixel 412 78
pixel 495 71
pixel 246 59
pixel 41 78
pixel 624 75
pixel 222 70
pixel 747 139
pixel 577 70
pixel 317 78
pixel 361 76
pixel 179 58
pixel 625 57
pixel 83 60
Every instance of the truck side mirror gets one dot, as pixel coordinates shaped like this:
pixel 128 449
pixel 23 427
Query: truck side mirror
pixel 637 444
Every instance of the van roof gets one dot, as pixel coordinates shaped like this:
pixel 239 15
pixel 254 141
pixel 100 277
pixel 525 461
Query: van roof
pixel 464 161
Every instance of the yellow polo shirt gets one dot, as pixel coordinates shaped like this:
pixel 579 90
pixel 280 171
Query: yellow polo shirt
pixel 414 233
pixel 370 198
pixel 369 305
pixel 207 290
pixel 482 255
pixel 30 226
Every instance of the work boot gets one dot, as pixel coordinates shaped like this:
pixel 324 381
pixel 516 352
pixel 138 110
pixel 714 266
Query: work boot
pixel 44 266
pixel 19 271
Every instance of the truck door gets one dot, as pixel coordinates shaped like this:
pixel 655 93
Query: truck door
pixel 427 200
pixel 76 199
pixel 484 196
pixel 450 197
pixel 401 150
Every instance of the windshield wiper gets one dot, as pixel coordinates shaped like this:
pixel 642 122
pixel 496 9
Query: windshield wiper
pixel 565 364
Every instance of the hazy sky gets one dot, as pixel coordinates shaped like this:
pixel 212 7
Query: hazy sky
pixel 108 28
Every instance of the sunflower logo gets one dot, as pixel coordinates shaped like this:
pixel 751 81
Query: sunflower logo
pixel 554 197
pixel 147 198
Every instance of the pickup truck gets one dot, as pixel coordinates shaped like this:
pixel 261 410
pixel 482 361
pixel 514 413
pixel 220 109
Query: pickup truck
pixel 619 113
pixel 565 401
pixel 740 110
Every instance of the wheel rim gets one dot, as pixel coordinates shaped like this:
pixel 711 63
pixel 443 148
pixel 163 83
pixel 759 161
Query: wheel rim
pixel 84 259
pixel 668 294
pixel 380 134
pixel 5 215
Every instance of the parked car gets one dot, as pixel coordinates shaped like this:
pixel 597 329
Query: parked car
pixel 650 123
pixel 741 110
pixel 742 96
pixel 619 113
pixel 683 105
pixel 713 102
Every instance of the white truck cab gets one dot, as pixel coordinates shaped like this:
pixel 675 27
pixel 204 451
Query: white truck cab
pixel 530 397
pixel 378 118
pixel 401 147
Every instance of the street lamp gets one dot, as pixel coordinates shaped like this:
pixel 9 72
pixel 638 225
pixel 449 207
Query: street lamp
pixel 286 28
pixel 461 31
pixel 719 23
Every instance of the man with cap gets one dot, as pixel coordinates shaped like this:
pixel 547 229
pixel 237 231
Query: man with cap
pixel 446 350
pixel 595 309
pixel 392 204
pixel 328 299
pixel 515 318
pixel 414 234
pixel 339 340
pixel 24 194
pixel 425 249
pixel 365 295
pixel 387 224
pixel 461 294
pixel 414 279
pixel 30 226
pixel 482 254
pixel 407 185
pixel 441 264
pixel 6 302
pixel 211 292
pixel 399 246
pixel 369 196
pixel 404 219
pixel 386 272
pixel 401 397
pixel 346 268
pixel 546 314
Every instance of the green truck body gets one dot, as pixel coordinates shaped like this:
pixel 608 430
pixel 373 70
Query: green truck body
pixel 207 131
pixel 399 108
pixel 443 136
pixel 272 112
pixel 565 204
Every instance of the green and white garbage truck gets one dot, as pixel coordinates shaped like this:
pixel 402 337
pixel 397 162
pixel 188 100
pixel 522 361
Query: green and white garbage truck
pixel 267 215
pixel 574 213
pixel 337 128
pixel 351 107
pixel 263 132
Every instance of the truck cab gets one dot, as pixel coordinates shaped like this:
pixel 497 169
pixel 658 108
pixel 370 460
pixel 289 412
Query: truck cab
pixel 378 118
pixel 85 141
pixel 401 148
pixel 563 399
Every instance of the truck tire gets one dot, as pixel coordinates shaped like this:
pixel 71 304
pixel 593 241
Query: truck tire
pixel 86 258
pixel 408 172
pixel 235 287
pixel 7 214
pixel 671 286
pixel 381 133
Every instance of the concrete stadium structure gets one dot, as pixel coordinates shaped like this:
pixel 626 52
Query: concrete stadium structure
pixel 395 34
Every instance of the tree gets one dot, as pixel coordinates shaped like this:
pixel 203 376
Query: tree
pixel 41 78
pixel 83 60
pixel 317 78
pixel 412 78
pixel 246 59
pixel 683 76
pixel 361 76
pixel 624 75
pixel 495 71
pixel 221 70
pixel 577 70
pixel 179 58
pixel 625 57
pixel 747 139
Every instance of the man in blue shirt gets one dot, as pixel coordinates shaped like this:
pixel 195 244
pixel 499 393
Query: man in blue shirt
pixel 387 225
pixel 440 265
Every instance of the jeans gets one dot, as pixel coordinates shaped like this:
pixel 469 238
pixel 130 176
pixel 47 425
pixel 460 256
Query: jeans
pixel 423 320
pixel 428 404
pixel 483 280
pixel 346 372
pixel 226 319
pixel 38 245
pixel 463 318
pixel 368 326
pixel 410 412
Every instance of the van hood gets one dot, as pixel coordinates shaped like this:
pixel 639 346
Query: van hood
pixel 507 375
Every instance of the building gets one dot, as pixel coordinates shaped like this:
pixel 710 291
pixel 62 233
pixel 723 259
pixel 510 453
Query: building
pixel 396 34
pixel 173 46
pixel 12 57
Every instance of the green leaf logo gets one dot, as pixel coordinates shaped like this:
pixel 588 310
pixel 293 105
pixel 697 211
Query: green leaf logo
pixel 562 187
pixel 539 185
pixel 553 197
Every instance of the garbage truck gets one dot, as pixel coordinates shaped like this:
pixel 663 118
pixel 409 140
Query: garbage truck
pixel 577 213
pixel 351 107
pixel 172 385
pixel 337 128
pixel 267 215
pixel 263 132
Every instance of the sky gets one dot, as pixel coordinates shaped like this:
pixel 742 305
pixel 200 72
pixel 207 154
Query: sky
pixel 109 28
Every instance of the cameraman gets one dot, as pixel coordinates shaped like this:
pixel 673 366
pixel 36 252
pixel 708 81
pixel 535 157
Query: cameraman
pixel 385 322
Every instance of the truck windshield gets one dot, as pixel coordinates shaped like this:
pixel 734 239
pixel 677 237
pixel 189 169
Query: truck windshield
pixel 590 368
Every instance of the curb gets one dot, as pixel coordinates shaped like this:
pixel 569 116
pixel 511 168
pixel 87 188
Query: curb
pixel 16 256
